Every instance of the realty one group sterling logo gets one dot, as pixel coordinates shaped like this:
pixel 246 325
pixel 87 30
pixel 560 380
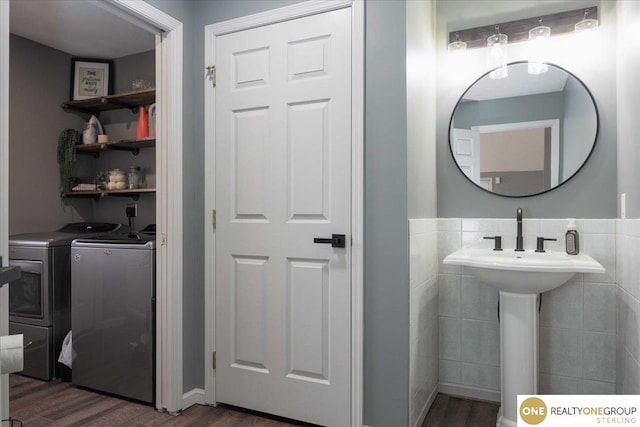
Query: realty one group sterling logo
pixel 578 410
pixel 533 411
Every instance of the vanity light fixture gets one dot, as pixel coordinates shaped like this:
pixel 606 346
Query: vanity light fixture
pixel 587 24
pixel 457 45
pixel 498 55
pixel 518 31
pixel 538 45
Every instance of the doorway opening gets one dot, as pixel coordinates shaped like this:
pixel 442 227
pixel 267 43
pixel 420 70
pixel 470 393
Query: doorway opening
pixel 166 211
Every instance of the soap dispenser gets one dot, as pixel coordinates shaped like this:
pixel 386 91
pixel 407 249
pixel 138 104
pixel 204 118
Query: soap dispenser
pixel 572 238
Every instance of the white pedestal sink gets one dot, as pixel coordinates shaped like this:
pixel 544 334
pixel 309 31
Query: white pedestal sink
pixel 520 277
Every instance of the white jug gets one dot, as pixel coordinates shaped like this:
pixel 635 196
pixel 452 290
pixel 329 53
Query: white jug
pixel 152 120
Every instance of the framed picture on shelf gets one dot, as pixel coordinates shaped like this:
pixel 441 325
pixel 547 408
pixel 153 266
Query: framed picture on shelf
pixel 91 78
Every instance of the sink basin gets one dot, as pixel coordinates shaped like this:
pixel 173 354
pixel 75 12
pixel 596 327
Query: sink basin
pixel 527 272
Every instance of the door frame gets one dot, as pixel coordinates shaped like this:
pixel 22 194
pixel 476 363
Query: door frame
pixel 212 31
pixel 169 71
pixel 4 188
pixel 554 124
pixel 169 251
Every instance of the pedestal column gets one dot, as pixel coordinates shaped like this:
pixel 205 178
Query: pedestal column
pixel 518 352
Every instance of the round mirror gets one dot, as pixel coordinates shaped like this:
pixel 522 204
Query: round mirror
pixel 524 134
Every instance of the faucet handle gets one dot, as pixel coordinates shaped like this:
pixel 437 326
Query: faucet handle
pixel 497 242
pixel 540 243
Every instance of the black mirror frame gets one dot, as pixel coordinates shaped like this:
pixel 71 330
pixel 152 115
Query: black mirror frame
pixel 593 146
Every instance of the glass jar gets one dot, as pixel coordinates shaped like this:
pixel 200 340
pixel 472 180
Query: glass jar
pixel 134 177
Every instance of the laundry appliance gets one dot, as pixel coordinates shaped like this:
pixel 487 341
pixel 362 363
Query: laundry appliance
pixel 113 313
pixel 39 302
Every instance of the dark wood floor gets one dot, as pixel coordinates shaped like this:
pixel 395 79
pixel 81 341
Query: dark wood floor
pixel 55 403
pixel 39 403
pixel 449 411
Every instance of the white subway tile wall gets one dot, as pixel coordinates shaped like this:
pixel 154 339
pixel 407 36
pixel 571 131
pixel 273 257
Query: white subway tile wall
pixel 423 316
pixel 577 320
pixel 628 299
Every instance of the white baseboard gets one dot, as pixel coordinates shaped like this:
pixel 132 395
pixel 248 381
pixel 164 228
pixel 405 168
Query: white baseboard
pixel 193 397
pixel 470 392
pixel 427 406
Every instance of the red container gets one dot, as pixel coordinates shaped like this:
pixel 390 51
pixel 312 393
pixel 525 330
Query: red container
pixel 143 123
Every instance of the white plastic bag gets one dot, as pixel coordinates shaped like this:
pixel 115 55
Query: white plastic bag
pixel 66 354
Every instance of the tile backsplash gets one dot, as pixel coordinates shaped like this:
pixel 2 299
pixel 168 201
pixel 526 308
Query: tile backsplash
pixel 628 299
pixel 577 320
pixel 423 317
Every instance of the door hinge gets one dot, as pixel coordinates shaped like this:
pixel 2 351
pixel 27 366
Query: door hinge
pixel 214 360
pixel 211 72
pixel 213 218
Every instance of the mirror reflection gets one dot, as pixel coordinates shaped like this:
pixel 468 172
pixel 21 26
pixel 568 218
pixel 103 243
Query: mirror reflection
pixel 525 134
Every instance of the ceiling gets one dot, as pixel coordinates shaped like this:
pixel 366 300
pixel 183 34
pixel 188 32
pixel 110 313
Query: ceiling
pixel 78 27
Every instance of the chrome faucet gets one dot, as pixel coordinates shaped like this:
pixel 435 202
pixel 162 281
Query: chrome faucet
pixel 519 244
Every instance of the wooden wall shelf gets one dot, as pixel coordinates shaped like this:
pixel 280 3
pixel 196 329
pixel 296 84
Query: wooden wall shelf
pixel 132 145
pixel 131 100
pixel 96 195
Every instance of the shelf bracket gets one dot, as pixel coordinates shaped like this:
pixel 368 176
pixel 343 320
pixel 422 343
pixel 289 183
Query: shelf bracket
pixel 135 151
pixel 133 108
pixel 64 106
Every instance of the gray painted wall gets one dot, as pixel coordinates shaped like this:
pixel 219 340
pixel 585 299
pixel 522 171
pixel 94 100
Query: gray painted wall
pixel 122 124
pixel 386 293
pixel 628 108
pixel 134 67
pixel 591 193
pixel 577 134
pixel 544 106
pixel 38 83
pixel 421 110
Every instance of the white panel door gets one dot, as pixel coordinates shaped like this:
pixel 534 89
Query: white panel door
pixel 283 178
pixel 466 150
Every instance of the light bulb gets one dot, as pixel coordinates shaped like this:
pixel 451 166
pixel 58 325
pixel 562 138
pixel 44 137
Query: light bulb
pixel 498 55
pixel 538 48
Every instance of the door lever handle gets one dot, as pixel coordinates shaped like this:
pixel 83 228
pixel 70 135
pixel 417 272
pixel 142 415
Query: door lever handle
pixel 336 240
